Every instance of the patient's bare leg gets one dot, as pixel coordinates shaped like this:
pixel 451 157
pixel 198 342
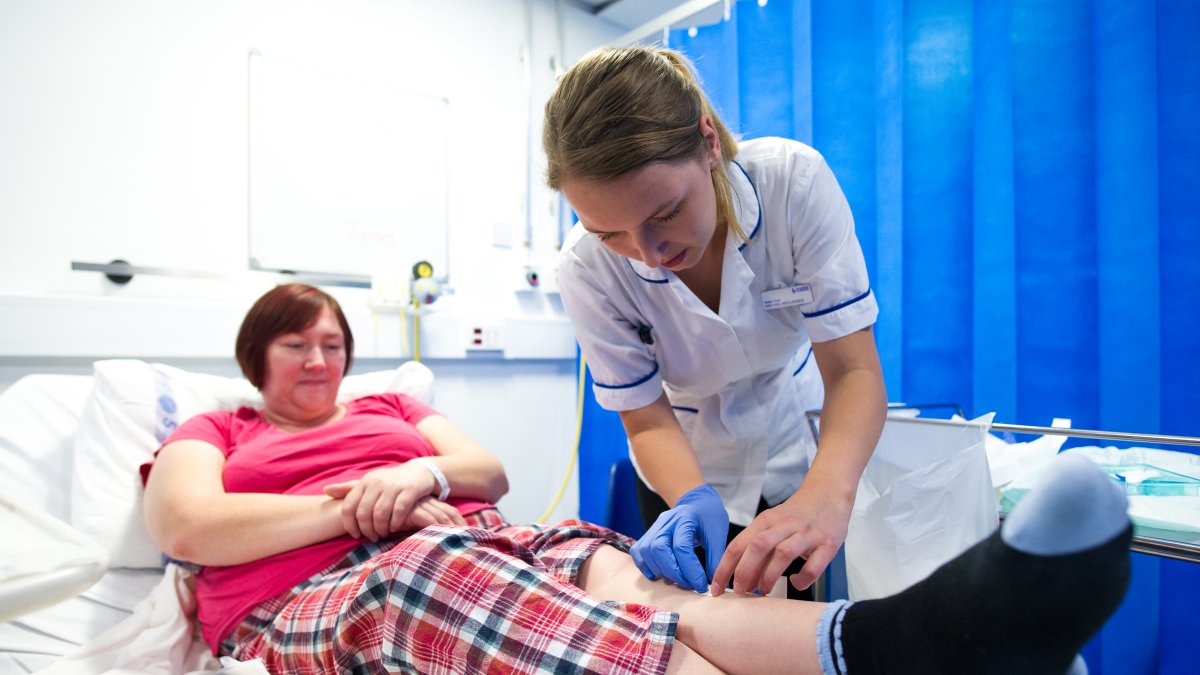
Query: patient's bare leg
pixel 684 660
pixel 1024 600
pixel 735 633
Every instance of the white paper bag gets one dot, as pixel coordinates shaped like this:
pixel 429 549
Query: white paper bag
pixel 925 497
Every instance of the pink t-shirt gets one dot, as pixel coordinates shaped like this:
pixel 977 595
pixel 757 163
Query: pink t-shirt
pixel 376 431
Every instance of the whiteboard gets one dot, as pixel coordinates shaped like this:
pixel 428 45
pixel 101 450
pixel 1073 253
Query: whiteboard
pixel 347 176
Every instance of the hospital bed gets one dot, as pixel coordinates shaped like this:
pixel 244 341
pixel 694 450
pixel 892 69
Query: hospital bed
pixel 77 566
pixel 70 446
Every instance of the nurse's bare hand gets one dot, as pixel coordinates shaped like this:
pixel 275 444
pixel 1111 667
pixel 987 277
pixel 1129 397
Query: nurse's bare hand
pixel 808 525
pixel 379 503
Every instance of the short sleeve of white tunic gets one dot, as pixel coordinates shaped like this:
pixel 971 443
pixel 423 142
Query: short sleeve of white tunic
pixel 637 327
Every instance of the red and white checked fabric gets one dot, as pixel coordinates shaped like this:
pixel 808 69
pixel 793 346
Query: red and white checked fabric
pixel 487 598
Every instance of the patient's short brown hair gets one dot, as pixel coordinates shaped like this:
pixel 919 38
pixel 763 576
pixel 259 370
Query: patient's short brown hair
pixel 284 309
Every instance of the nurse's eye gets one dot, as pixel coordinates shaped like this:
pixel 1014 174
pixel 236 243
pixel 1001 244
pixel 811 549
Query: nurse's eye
pixel 606 236
pixel 667 218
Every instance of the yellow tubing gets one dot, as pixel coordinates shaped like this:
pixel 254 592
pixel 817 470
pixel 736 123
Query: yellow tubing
pixel 575 451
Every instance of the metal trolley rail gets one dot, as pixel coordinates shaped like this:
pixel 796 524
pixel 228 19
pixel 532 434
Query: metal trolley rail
pixel 1173 544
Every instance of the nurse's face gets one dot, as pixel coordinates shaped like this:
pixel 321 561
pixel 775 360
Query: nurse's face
pixel 663 213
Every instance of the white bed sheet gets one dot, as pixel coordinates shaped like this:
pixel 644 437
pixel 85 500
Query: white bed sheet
pixel 39 420
pixel 160 636
pixel 44 561
pixel 36 640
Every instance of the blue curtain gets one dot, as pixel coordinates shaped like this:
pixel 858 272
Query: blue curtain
pixel 1025 178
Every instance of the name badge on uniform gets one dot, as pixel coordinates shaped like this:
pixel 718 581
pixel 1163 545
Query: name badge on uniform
pixel 785 297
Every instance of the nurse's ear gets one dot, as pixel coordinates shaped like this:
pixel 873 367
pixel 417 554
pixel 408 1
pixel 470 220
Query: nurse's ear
pixel 712 142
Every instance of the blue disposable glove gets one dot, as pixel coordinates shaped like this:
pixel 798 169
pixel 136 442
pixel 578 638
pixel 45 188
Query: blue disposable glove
pixel 666 551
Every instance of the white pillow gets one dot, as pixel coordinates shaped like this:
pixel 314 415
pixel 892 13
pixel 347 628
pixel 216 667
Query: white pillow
pixel 133 407
pixel 412 378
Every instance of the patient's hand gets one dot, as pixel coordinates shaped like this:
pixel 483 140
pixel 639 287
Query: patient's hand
pixel 390 500
pixel 433 511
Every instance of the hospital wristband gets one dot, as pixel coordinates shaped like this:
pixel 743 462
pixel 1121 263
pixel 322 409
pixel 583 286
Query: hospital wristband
pixel 443 484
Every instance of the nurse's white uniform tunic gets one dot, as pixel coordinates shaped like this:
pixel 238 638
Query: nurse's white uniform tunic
pixel 739 381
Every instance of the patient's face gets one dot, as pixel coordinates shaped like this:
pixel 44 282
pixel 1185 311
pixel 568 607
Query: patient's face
pixel 304 370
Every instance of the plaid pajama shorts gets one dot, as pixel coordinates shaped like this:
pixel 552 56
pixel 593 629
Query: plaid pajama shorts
pixel 486 598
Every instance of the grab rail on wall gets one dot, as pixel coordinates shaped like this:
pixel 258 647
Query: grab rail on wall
pixel 121 272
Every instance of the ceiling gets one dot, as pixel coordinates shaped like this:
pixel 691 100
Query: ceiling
pixel 650 16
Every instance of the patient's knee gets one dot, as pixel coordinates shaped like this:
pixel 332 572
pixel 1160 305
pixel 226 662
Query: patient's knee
pixel 436 542
pixel 443 546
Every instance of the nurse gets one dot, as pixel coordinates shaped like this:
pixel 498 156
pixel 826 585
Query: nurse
pixel 718 292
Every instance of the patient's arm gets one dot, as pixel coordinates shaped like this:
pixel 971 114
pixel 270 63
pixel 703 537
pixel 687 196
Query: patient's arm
pixel 191 517
pixel 388 500
pixel 392 499
pixel 473 471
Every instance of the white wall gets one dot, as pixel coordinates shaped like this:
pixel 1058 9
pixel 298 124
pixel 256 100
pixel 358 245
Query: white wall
pixel 124 126
pixel 124 134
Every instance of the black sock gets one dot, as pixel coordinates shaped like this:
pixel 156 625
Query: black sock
pixel 1024 600
pixel 993 609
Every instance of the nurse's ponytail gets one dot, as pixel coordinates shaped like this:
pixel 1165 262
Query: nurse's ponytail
pixel 619 109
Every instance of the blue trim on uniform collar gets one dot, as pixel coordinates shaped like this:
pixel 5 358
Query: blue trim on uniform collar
pixel 682 408
pixel 837 307
pixel 757 199
pixel 629 261
pixel 631 384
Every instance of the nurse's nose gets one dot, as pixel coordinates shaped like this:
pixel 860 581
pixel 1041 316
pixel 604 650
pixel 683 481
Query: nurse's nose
pixel 650 246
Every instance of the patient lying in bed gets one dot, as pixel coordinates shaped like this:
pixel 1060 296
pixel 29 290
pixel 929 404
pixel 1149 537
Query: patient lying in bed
pixel 363 537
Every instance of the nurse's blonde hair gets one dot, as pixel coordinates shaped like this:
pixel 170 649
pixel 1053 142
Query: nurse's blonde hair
pixel 620 108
